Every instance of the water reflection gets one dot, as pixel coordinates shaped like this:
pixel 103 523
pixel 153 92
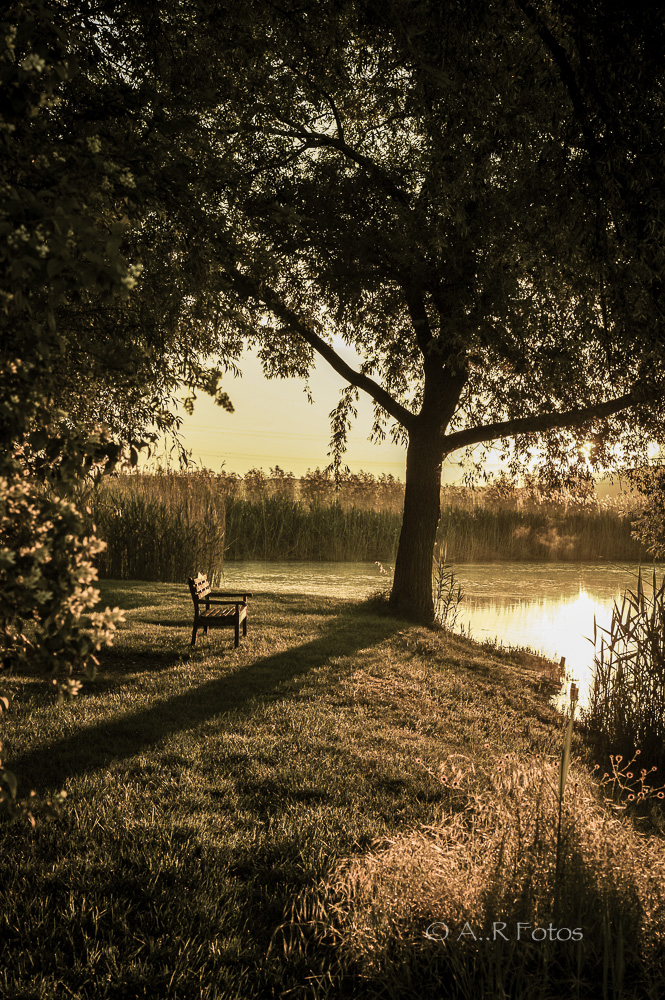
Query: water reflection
pixel 553 627
pixel 549 607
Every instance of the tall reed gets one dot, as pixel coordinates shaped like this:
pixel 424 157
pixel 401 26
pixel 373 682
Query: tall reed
pixel 279 528
pixel 626 709
pixel 278 517
pixel 163 527
pixel 483 535
pixel 447 592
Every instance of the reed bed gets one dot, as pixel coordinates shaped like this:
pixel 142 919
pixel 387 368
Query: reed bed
pixel 626 712
pixel 163 526
pixel 360 490
pixel 483 535
pixel 275 528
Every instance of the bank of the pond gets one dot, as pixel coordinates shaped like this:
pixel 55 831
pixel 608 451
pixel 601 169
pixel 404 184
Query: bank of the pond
pixel 341 779
pixel 547 607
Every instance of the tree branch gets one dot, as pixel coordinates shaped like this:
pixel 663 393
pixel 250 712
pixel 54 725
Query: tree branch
pixel 416 306
pixel 320 140
pixel 538 423
pixel 261 291
pixel 322 93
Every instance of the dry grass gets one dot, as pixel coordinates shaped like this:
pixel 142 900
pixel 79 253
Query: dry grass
pixel 487 866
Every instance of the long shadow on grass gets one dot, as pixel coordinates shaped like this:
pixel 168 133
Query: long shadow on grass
pixel 103 744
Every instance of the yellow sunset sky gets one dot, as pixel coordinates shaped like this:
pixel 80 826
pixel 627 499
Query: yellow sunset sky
pixel 274 424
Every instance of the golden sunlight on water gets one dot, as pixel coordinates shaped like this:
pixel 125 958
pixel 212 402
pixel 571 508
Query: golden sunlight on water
pixel 548 607
pixel 555 627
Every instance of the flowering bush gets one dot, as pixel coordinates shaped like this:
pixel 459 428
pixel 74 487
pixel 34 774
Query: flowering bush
pixel 46 577
pixel 47 594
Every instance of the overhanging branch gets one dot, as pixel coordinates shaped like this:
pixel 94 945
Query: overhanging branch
pixel 319 140
pixel 546 421
pixel 261 291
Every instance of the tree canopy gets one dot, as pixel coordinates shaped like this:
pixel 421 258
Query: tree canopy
pixel 461 192
pixel 469 194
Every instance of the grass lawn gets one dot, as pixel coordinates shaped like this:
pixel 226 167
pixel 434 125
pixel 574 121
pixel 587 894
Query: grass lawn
pixel 287 819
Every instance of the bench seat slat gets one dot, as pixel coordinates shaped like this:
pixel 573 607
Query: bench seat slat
pixel 230 593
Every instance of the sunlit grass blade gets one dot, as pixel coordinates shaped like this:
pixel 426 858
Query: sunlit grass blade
pixel 564 762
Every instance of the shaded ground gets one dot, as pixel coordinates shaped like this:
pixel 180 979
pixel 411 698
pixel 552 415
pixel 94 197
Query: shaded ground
pixel 207 789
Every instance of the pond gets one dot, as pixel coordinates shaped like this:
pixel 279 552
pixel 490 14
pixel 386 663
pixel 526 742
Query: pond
pixel 548 607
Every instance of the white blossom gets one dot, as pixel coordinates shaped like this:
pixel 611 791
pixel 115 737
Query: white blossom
pixel 33 62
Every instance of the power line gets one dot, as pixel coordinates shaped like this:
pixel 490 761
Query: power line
pixel 211 428
pixel 284 460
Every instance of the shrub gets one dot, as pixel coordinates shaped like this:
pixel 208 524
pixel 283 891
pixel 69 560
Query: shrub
pixel 46 594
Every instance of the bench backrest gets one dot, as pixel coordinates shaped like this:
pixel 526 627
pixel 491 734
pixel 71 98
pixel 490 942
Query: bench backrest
pixel 199 587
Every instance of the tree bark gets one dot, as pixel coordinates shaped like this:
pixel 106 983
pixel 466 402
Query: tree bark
pixel 411 594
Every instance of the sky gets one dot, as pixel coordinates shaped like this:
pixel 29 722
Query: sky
pixel 274 424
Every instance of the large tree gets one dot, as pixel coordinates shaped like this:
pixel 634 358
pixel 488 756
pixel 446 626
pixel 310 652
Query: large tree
pixel 445 186
pixel 421 181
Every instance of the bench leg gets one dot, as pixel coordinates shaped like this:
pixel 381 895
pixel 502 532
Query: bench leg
pixel 237 633
pixel 244 625
pixel 194 636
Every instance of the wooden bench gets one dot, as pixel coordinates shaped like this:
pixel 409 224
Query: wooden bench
pixel 209 613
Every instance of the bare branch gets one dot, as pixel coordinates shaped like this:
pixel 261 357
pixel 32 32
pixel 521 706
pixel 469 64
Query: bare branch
pixel 338 120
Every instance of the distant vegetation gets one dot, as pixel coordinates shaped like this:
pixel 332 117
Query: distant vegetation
pixel 166 525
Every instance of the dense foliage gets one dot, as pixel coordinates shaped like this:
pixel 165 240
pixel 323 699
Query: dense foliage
pixel 649 522
pixel 59 249
pixel 469 195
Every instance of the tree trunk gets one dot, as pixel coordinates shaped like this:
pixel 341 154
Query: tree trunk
pixel 411 595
